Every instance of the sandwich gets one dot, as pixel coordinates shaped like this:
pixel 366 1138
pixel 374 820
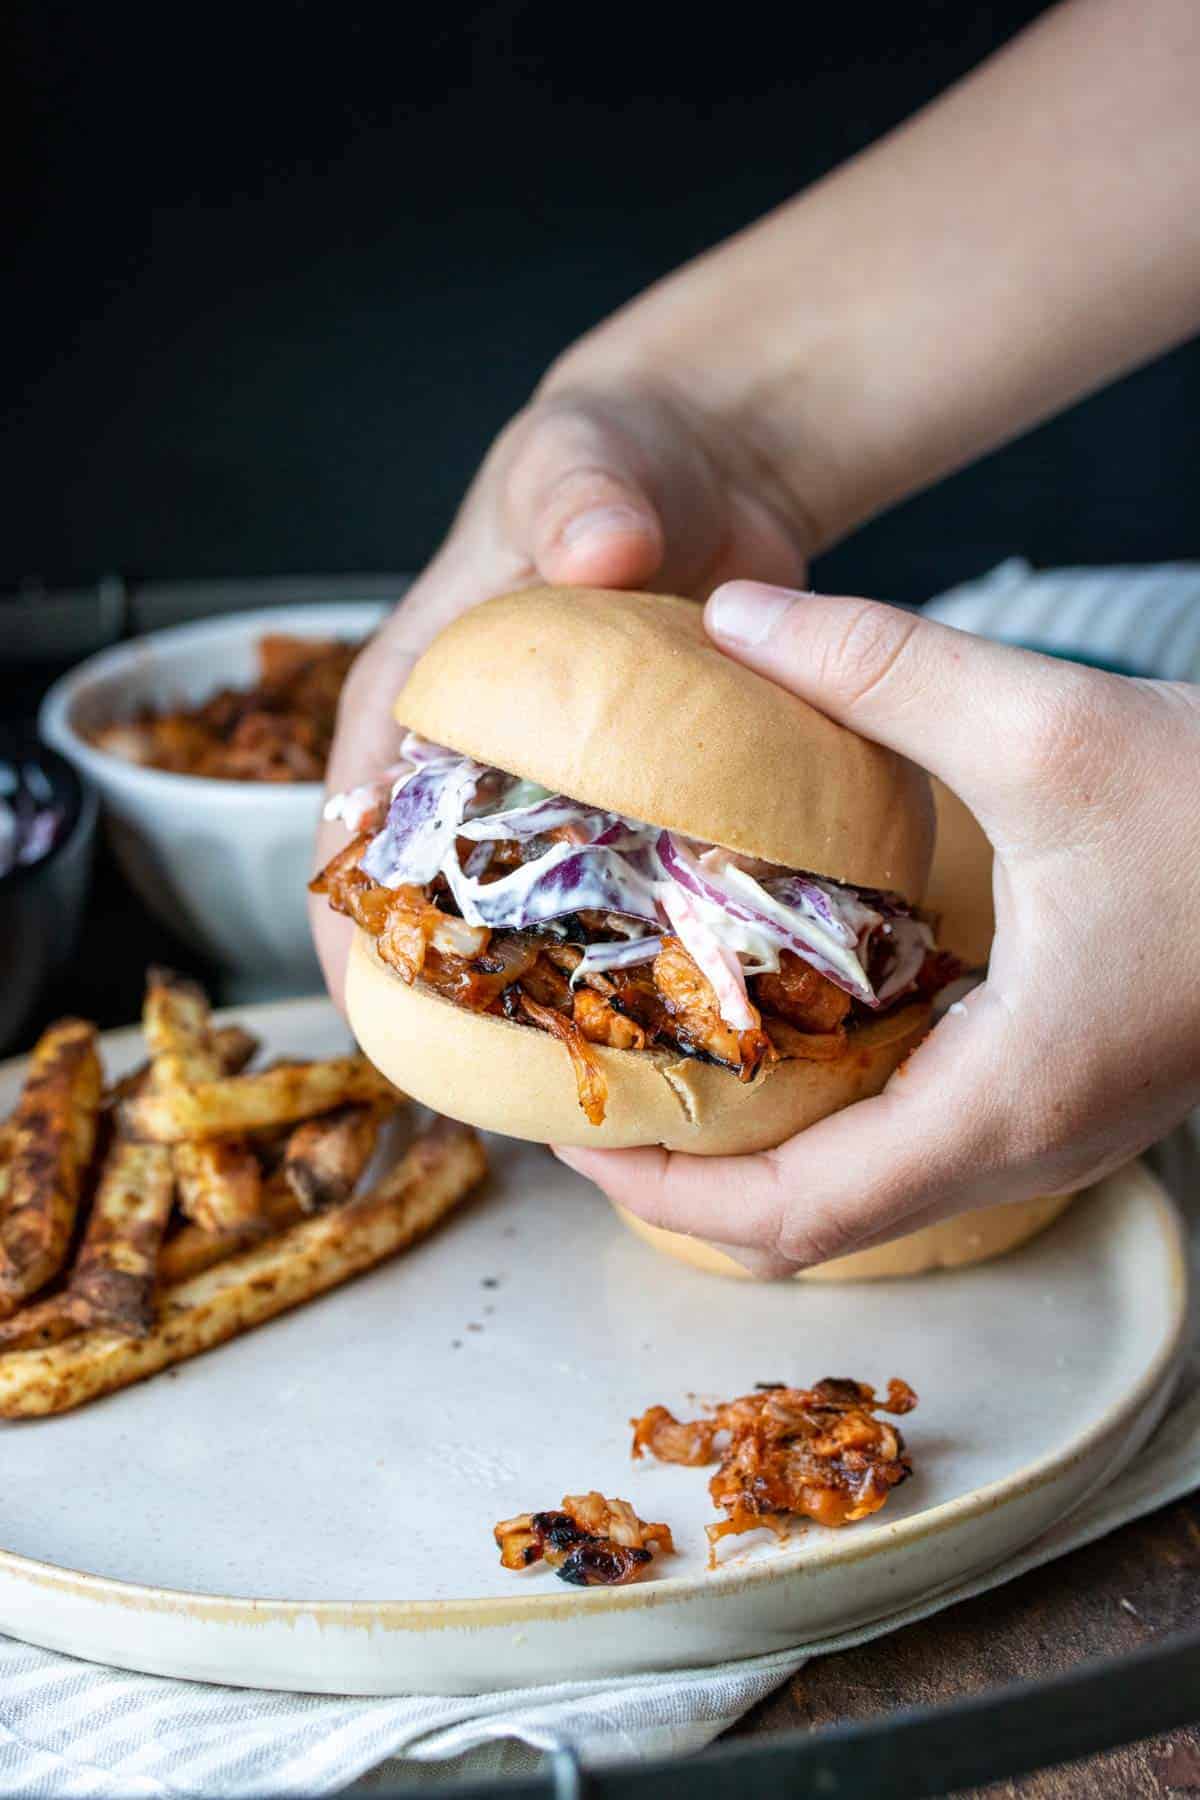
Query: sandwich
pixel 621 890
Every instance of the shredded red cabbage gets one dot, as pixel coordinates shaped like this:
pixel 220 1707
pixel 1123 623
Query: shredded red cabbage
pixel 904 942
pixel 598 959
pixel 718 962
pixel 650 881
pixel 422 823
pixel 808 923
pixel 520 823
pixel 568 878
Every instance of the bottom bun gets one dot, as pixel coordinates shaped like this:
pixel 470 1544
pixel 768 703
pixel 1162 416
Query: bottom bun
pixel 970 1238
pixel 501 1076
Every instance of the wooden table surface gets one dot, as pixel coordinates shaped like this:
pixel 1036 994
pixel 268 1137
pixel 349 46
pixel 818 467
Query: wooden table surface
pixel 1114 1597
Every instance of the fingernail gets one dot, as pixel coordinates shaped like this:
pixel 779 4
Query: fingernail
pixel 604 521
pixel 747 612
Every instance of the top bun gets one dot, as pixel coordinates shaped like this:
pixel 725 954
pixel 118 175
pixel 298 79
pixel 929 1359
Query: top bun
pixel 622 701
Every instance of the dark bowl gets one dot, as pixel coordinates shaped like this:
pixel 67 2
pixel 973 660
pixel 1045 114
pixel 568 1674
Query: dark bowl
pixel 42 903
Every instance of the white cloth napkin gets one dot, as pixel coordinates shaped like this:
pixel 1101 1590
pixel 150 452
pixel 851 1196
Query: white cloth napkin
pixel 69 1728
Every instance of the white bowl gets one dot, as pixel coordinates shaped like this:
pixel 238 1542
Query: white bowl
pixel 223 863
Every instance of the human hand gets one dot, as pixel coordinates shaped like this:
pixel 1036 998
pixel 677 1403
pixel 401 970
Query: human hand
pixel 1083 1045
pixel 620 484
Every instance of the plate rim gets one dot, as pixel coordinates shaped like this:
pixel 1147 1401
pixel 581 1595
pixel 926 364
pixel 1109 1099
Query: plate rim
pixel 525 1609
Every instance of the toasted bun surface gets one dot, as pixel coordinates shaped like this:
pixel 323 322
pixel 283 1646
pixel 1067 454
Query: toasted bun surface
pixel 974 1237
pixel 622 700
pixel 506 1077
pixel 959 892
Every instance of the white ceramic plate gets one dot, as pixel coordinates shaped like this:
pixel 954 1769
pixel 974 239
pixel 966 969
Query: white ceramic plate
pixel 311 1507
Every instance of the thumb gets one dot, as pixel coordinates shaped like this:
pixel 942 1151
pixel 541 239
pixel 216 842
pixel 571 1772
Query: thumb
pixel 578 503
pixel 986 718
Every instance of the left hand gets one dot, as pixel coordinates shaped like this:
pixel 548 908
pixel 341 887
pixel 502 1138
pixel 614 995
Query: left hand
pixel 597 483
pixel 1083 1045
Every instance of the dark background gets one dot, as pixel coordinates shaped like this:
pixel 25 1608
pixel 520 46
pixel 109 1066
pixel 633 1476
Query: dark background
pixel 276 275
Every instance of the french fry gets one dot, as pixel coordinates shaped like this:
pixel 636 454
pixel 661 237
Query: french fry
pixel 321 1252
pixel 325 1157
pixel 219 1185
pixel 175 1019
pixel 55 1133
pixel 269 1144
pixel 35 1327
pixel 191 1249
pixel 232 1105
pixel 234 1047
pixel 188 1252
pixel 112 1282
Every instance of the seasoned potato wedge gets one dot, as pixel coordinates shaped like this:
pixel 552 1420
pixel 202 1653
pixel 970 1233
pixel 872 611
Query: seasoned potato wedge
pixel 315 1255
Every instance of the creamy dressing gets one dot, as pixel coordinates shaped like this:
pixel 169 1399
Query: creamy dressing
pixel 733 920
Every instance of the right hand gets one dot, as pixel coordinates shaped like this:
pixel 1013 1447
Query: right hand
pixel 613 485
pixel 1082 1047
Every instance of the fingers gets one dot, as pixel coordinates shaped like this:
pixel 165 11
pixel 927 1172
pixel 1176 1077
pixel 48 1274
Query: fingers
pixel 578 490
pixel 939 1140
pixel 576 502
pixel 733 1199
pixel 992 721
pixel 633 492
pixel 333 937
pixel 557 499
pixel 809 1203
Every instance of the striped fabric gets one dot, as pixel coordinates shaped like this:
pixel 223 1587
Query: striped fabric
pixel 73 1730
pixel 1147 619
